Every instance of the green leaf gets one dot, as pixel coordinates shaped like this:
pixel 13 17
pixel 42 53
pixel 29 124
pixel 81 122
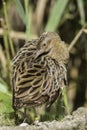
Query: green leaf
pixel 80 4
pixel 56 15
pixel 3 88
pixel 5 100
pixel 5 103
pixel 20 11
pixel 64 94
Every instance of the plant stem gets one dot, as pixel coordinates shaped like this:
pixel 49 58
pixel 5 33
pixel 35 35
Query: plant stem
pixel 8 26
pixel 27 18
pixel 77 37
pixel 75 40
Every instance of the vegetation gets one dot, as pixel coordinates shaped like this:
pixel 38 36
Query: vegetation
pixel 22 20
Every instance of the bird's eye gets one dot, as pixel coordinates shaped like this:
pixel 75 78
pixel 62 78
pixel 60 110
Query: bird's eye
pixel 44 44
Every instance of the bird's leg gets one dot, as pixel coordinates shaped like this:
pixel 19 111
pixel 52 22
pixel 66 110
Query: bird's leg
pixel 27 117
pixel 36 117
pixel 35 112
pixel 15 116
pixel 25 114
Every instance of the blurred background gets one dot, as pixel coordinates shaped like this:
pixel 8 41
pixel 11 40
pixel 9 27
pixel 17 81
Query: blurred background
pixel 22 20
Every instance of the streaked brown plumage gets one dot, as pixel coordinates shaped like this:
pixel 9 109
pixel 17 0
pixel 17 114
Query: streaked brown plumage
pixel 39 71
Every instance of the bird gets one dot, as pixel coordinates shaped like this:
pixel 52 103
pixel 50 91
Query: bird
pixel 39 71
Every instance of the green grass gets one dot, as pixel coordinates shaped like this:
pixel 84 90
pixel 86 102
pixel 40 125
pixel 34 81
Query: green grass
pixel 6 111
pixel 5 103
pixel 56 15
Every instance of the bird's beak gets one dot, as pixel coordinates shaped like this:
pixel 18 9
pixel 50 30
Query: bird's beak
pixel 39 53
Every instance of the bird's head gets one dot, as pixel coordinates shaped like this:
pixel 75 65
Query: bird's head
pixel 50 44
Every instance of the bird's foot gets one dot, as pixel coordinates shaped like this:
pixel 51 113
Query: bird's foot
pixel 36 121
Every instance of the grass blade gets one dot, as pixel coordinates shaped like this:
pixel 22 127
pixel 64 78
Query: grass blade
pixel 27 18
pixel 8 31
pixel 64 94
pixel 6 106
pixel 56 15
pixel 20 10
pixel 80 4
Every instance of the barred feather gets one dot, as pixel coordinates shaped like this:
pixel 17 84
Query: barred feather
pixel 38 77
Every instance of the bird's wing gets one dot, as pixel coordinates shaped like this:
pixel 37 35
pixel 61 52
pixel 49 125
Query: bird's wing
pixel 55 80
pixel 27 89
pixel 35 82
pixel 28 77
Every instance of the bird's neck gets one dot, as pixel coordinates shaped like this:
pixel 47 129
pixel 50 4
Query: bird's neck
pixel 60 54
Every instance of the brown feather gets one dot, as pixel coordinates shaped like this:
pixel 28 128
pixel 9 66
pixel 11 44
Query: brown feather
pixel 39 71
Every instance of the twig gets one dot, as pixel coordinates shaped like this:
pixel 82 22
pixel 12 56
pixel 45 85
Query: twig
pixel 75 39
pixel 16 35
pixel 83 30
